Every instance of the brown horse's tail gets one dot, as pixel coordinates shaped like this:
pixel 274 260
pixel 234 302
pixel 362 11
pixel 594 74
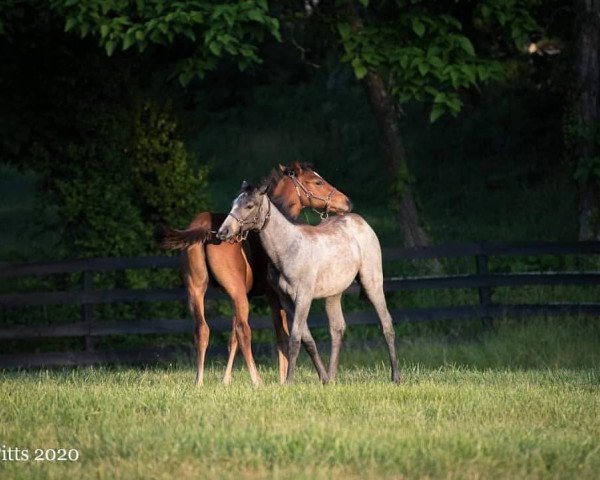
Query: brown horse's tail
pixel 179 239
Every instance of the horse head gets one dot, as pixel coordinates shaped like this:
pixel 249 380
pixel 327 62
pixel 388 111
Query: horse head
pixel 301 186
pixel 250 211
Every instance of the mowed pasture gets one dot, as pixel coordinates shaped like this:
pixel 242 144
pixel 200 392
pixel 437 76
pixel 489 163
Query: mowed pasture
pixel 522 402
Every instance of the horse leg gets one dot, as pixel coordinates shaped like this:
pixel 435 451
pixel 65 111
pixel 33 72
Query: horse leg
pixel 244 333
pixel 309 343
pixel 196 280
pixel 232 272
pixel 311 348
pixel 201 336
pixel 373 287
pixel 233 346
pixel 282 333
pixel 337 327
pixel 301 309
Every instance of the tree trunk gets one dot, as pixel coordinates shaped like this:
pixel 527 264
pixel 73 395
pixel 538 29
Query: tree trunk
pixel 394 156
pixel 587 111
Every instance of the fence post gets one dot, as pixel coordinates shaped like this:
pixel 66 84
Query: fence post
pixel 87 313
pixel 485 293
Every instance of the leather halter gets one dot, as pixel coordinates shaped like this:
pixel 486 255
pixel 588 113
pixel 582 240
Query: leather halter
pixel 310 195
pixel 244 221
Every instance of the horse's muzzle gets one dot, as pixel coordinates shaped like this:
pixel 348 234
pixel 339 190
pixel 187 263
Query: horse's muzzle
pixel 350 206
pixel 224 233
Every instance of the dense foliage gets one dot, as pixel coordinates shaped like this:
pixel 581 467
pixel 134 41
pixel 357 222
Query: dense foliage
pixel 113 117
pixel 107 150
pixel 427 51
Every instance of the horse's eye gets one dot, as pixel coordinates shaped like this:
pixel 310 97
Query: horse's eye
pixel 248 207
pixel 319 183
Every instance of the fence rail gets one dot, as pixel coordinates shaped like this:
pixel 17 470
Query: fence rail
pixel 89 328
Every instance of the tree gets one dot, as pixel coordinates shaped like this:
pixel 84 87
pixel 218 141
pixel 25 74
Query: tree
pixel 207 32
pixel 108 156
pixel 583 129
pixel 401 51
pixel 419 51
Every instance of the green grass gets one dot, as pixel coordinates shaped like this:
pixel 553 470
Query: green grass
pixel 442 423
pixel 522 403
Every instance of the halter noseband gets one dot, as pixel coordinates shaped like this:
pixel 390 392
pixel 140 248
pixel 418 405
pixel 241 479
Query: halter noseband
pixel 310 195
pixel 244 221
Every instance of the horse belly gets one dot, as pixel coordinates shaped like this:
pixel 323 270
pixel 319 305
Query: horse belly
pixel 337 274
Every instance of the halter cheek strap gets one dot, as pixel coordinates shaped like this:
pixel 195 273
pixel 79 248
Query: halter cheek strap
pixel 244 221
pixel 310 195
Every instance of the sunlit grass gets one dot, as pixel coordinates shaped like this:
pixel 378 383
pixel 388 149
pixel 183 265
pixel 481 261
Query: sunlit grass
pixel 443 423
pixel 518 403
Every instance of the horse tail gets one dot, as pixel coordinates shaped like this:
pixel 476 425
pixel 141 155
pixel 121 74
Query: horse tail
pixel 179 239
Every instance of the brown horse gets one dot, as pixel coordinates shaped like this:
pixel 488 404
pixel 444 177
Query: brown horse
pixel 240 267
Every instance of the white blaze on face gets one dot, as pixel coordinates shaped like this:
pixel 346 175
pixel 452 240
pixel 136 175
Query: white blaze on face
pixel 317 175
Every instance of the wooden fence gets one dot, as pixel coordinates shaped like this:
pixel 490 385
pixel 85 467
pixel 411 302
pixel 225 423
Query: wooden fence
pixel 87 296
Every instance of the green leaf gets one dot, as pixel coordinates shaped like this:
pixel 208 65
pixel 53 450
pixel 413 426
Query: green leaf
pixel 418 27
pixel 467 46
pixel 215 48
pixel 110 47
pixel 185 77
pixel 431 90
pixel 360 72
pixel 364 3
pixel 470 72
pixel 344 30
pixel 436 62
pixel 71 22
pixel 436 112
pixel 484 73
pixel 454 78
pixel 189 33
pixel 486 11
pixel 256 15
pixel 104 29
pixel 359 68
pixel 440 98
pixel 274 29
pixel 128 41
pixel 454 104
pixel 404 61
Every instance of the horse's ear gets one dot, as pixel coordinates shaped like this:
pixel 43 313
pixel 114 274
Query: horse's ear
pixel 263 189
pixel 297 166
pixel 286 170
pixel 245 186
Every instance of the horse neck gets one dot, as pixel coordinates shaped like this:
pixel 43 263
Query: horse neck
pixel 286 195
pixel 277 234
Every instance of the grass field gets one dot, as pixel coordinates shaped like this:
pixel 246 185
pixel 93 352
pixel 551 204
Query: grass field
pixel 470 409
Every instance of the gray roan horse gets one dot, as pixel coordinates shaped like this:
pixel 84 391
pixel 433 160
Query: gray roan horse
pixel 314 262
